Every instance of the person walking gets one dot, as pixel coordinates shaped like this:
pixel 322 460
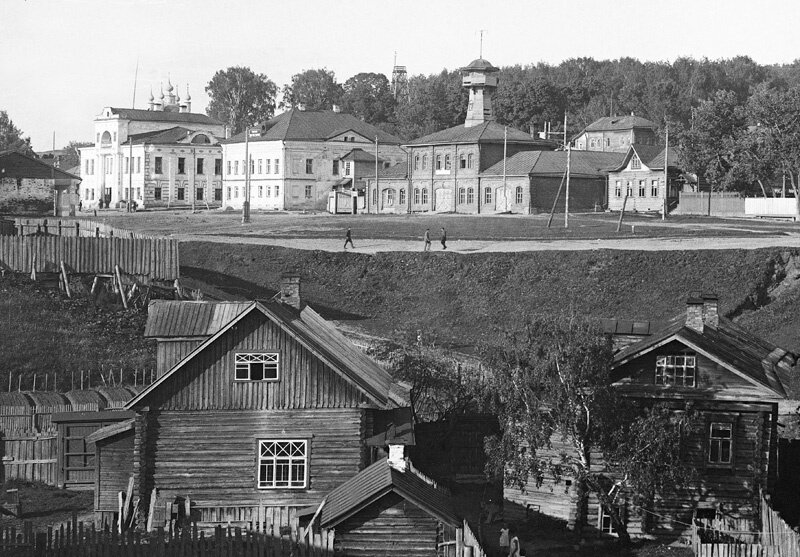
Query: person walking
pixel 444 238
pixel 348 239
pixel 427 239
pixel 504 541
pixel 514 547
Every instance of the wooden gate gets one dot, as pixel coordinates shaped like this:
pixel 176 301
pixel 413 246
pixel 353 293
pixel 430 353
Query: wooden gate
pixel 30 455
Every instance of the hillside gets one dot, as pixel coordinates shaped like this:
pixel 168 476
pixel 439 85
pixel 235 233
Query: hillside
pixel 462 299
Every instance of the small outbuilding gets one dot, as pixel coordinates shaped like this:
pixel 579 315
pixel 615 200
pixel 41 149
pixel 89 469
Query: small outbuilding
pixel 28 185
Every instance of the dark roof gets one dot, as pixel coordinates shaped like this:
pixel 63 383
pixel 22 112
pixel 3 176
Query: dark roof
pixel 307 326
pixel 170 135
pixel 111 430
pixel 315 125
pixel 359 155
pixel 611 123
pixel 480 64
pixel 140 115
pixel 397 171
pixel 629 327
pixel 379 479
pixel 651 156
pixel 554 163
pixel 730 345
pixel 488 132
pixel 16 165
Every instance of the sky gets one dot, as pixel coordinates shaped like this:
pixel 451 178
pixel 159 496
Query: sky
pixel 62 61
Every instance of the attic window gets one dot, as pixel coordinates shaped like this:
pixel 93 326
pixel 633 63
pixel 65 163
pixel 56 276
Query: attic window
pixel 636 164
pixel 676 370
pixel 257 366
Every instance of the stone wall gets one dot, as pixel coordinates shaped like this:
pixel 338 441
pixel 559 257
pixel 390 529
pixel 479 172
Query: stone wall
pixel 26 195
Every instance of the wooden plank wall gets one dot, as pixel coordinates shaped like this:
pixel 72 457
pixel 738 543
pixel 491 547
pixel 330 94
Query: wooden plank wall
pixel 30 455
pixel 153 258
pixel 85 228
pixel 776 533
pixel 115 465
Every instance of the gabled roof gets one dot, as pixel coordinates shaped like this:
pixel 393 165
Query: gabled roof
pixel 314 125
pixel 307 327
pixel 359 155
pixel 752 358
pixel 176 319
pixel 140 115
pixel 178 134
pixel 612 123
pixel 591 164
pixel 487 132
pixel 652 156
pixel 16 165
pixel 378 480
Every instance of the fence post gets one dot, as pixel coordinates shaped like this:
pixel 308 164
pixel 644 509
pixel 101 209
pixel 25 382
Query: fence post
pixel 77 229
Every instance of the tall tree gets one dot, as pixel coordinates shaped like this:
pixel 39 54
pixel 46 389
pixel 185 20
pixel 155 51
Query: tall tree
pixel 552 378
pixel 72 157
pixel 11 136
pixel 240 97
pixel 369 97
pixel 313 90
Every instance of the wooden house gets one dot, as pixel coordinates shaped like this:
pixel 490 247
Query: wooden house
pixel 268 413
pixel 734 380
pixel 639 182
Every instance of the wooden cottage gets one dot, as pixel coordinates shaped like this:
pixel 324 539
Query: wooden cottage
pixel 268 413
pixel 734 380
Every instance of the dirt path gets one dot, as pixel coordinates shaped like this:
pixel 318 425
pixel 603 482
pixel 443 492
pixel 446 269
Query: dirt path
pixel 475 246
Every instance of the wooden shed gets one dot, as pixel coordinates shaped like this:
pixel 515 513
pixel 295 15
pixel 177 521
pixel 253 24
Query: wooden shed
pixel 391 509
pixel 76 453
pixel 114 466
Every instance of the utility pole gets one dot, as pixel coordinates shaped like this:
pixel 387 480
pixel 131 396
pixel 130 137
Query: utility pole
pixel 566 200
pixel 130 174
pixel 377 189
pixel 246 204
pixel 666 171
pixel 505 157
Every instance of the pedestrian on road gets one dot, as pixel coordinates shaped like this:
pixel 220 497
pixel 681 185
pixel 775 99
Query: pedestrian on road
pixel 427 239
pixel 444 238
pixel 348 239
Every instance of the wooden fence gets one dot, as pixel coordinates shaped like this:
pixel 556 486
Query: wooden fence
pixel 776 533
pixel 155 259
pixel 77 539
pixel 30 456
pixel 83 228
pixel 720 204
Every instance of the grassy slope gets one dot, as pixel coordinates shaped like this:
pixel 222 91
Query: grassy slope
pixel 464 297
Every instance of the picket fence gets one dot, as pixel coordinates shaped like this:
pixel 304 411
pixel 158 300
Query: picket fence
pixel 75 539
pixel 80 228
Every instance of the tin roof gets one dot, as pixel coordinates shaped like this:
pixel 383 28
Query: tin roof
pixel 378 480
pixel 481 65
pixel 175 319
pixel 592 164
pixel 611 123
pixel 175 135
pixel 487 132
pixel 651 156
pixel 140 115
pixel 17 165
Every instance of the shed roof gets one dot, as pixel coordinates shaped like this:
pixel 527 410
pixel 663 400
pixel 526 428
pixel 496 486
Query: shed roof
pixel 314 125
pixel 17 165
pixel 487 132
pixel 140 115
pixel 378 480
pixel 592 164
pixel 307 326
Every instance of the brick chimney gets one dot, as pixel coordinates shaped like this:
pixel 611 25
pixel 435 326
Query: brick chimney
pixel 694 311
pixel 397 457
pixel 290 290
pixel 711 310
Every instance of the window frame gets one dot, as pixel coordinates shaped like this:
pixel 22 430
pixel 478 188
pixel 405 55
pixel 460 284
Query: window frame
pixel 200 166
pixel 262 483
pixel 642 188
pixel 519 195
pixel 654 188
pixel 660 377
pixel 309 166
pixel 158 165
pixel 181 165
pixel 636 162
pixel 487 195
pixel 236 363
pixel 730 425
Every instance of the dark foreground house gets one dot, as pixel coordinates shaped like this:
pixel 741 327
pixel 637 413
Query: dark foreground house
pixel 29 185
pixel 266 414
pixel 734 380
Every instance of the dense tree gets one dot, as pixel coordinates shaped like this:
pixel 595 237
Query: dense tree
pixel 369 97
pixel 551 378
pixel 72 155
pixel 240 97
pixel 313 90
pixel 11 137
pixel 435 102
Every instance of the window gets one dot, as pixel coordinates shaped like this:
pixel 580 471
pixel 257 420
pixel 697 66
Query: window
pixel 252 166
pixel 260 166
pixel 308 191
pixel 416 196
pixel 236 192
pixel 157 194
pixel 200 166
pixel 618 188
pixel 402 196
pixel 335 170
pixel 218 194
pixel 105 140
pixel 229 168
pixel 309 166
pixel 115 136
pixel 277 191
pixel 462 161
pixel 608 142
pixel 236 167
pixel 654 188
pixel 277 164
pixel 390 197
pixel 138 165
pixel 438 162
pixel 282 463
pixel 720 440
pixel 424 162
pixel 374 197
pixel 260 191
pixel 218 167
pixel 519 195
pixel 181 165
pixel 268 166
pixel 229 192
pixel 604 520
pixel 629 188
pixel 462 196
pixel 87 166
pixel 416 162
pixel 487 195
pixel 244 167
pixel 159 165
pixel 126 165
pixel 447 162
pixel 469 160
pixel 642 191
pixel 424 196
pixel 180 194
pixel 347 168
pixel 470 196
pixel 677 369
pixel 199 196
pixel 138 193
pixel 257 366
pixel 269 191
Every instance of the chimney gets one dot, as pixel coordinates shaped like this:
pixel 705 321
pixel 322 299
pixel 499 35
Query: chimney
pixel 290 290
pixel 710 310
pixel 397 458
pixel 694 312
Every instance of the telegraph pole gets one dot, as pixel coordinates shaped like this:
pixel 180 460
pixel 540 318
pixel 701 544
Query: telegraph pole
pixel 246 204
